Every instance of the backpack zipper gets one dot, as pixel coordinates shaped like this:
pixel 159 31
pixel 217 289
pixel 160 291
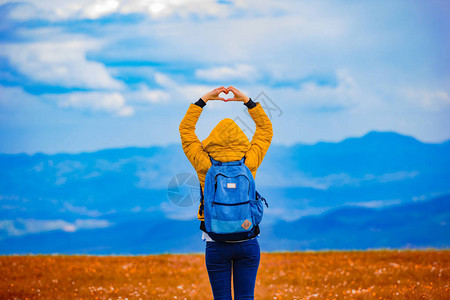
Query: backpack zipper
pixel 230 204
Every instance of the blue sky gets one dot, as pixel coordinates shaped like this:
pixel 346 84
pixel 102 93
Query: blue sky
pixel 86 75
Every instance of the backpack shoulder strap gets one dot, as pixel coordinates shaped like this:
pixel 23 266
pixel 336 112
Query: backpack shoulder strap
pixel 230 163
pixel 215 162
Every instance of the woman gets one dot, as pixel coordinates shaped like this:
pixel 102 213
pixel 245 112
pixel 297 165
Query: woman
pixel 227 142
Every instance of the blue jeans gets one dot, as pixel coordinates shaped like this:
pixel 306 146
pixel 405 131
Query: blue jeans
pixel 243 258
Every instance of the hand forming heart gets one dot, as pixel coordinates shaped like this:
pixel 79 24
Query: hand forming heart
pixel 214 94
pixel 227 93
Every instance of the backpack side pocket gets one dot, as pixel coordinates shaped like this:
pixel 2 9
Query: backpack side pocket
pixel 257 210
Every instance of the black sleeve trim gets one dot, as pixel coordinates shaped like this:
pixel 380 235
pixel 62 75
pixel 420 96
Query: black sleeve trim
pixel 250 103
pixel 200 103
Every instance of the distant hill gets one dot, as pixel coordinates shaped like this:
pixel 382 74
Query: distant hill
pixel 327 195
pixel 423 224
pixel 414 225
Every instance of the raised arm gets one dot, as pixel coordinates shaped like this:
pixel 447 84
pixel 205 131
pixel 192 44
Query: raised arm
pixel 263 135
pixel 192 146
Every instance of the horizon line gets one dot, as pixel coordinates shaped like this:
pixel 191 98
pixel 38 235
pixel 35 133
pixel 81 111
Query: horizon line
pixel 65 152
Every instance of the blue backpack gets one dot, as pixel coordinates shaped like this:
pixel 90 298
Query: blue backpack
pixel 232 207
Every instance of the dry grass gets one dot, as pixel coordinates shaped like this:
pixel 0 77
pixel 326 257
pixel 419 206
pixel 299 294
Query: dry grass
pixel 410 274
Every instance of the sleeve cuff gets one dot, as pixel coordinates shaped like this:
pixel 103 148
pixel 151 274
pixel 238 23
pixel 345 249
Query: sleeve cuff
pixel 250 103
pixel 200 103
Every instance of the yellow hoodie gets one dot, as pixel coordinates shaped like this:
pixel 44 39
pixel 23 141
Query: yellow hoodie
pixel 226 142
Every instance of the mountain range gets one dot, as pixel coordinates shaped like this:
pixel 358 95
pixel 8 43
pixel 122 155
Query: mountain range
pixel 381 190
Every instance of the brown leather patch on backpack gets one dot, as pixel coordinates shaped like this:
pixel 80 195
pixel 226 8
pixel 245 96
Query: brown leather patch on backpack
pixel 246 225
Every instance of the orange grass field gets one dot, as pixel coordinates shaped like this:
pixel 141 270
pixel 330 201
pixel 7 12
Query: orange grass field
pixel 374 274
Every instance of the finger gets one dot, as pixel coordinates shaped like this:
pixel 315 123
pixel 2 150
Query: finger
pixel 218 98
pixel 232 88
pixel 220 90
pixel 235 91
pixel 216 92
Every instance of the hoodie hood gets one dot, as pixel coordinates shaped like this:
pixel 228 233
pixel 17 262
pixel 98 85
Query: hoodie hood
pixel 226 142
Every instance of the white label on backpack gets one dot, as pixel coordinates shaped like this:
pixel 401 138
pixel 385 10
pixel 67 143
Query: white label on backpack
pixel 231 185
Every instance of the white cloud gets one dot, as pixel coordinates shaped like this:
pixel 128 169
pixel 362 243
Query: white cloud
pixel 145 95
pixel 29 226
pixel 375 203
pixel 171 211
pixel 97 102
pixel 152 178
pixel 345 95
pixel 154 95
pixel 60 63
pixel 82 210
pixel 395 176
pixel 182 91
pixel 300 179
pixel 183 8
pixel 99 8
pixel 113 103
pixel 430 100
pixel 94 9
pixel 238 71
pixel 371 49
pixel 291 214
